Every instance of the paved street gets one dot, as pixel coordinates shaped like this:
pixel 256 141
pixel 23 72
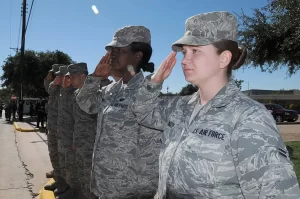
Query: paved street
pixel 23 163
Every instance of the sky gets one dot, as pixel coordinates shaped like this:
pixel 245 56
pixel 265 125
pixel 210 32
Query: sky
pixel 74 29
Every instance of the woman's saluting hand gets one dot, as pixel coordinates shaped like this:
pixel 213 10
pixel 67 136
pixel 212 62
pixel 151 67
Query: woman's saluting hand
pixel 103 68
pixel 164 69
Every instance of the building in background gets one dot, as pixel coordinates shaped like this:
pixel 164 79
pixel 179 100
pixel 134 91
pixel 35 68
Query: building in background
pixel 287 98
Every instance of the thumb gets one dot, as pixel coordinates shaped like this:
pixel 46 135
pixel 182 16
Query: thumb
pixel 130 68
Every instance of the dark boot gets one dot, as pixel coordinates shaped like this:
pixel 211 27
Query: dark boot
pixel 70 194
pixel 62 186
pixel 51 187
pixel 50 174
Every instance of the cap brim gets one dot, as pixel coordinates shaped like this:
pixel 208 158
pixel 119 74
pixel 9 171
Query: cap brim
pixel 68 74
pixel 190 41
pixel 58 73
pixel 116 44
pixel 51 70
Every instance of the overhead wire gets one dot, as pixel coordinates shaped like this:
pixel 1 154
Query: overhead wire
pixel 10 27
pixel 32 2
pixel 19 30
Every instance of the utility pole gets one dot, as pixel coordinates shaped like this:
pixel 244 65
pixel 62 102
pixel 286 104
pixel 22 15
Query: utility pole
pixel 248 89
pixel 22 48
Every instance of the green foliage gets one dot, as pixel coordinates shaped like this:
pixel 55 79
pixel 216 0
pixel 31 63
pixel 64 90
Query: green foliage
pixel 36 67
pixel 239 83
pixel 272 36
pixel 295 158
pixel 188 90
pixel 5 95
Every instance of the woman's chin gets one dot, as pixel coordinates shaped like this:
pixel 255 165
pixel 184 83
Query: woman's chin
pixel 189 79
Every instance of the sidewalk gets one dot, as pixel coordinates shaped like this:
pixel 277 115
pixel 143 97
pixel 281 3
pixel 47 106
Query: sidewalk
pixel 13 178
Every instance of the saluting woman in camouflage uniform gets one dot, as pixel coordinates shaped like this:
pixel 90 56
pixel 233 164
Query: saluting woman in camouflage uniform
pixel 217 143
pixel 125 158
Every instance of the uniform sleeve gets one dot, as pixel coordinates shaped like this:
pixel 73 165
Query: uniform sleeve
pixel 89 97
pixel 46 84
pixel 52 89
pixel 262 162
pixel 148 108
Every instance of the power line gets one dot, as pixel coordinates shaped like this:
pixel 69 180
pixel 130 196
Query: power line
pixel 10 25
pixel 29 15
pixel 19 31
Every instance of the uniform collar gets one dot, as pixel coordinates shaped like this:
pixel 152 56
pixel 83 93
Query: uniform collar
pixel 134 82
pixel 223 97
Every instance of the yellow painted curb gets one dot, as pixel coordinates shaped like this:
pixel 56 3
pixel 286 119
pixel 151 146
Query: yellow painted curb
pixel 29 130
pixel 44 194
pixel 17 128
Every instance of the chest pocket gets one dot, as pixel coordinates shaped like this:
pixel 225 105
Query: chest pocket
pixel 202 147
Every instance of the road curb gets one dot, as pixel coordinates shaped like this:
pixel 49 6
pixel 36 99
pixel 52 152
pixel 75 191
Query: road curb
pixel 17 128
pixel 288 123
pixel 44 194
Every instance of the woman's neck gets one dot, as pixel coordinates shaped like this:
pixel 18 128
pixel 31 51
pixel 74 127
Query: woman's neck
pixel 210 89
pixel 124 75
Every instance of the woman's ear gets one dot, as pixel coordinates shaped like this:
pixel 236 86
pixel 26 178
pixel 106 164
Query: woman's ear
pixel 138 56
pixel 225 59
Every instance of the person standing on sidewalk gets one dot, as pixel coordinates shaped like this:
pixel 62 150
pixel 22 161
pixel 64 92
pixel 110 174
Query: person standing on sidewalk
pixel 1 109
pixel 85 129
pixel 54 92
pixel 20 110
pixel 49 78
pixel 14 108
pixel 8 111
pixel 51 75
pixel 40 111
pixel 125 158
pixel 65 132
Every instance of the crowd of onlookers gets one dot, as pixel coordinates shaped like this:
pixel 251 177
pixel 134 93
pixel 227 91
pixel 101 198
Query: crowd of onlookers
pixel 15 109
pixel 12 110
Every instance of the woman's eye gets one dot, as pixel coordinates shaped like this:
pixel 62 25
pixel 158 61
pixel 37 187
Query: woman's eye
pixel 183 52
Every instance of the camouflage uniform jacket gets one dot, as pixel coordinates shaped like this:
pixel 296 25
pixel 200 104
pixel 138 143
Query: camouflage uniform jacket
pixel 232 148
pixel 125 158
pixel 54 92
pixel 46 84
pixel 85 129
pixel 65 119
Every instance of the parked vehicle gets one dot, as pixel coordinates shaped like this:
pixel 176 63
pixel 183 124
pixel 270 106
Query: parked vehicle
pixel 281 114
pixel 26 106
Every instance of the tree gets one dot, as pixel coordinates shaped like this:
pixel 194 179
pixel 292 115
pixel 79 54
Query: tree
pixel 188 90
pixel 272 36
pixel 239 83
pixel 36 67
pixel 5 95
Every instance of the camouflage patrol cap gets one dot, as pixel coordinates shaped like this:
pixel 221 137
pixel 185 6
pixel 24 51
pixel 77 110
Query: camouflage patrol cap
pixel 129 34
pixel 55 68
pixel 207 28
pixel 62 70
pixel 77 68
